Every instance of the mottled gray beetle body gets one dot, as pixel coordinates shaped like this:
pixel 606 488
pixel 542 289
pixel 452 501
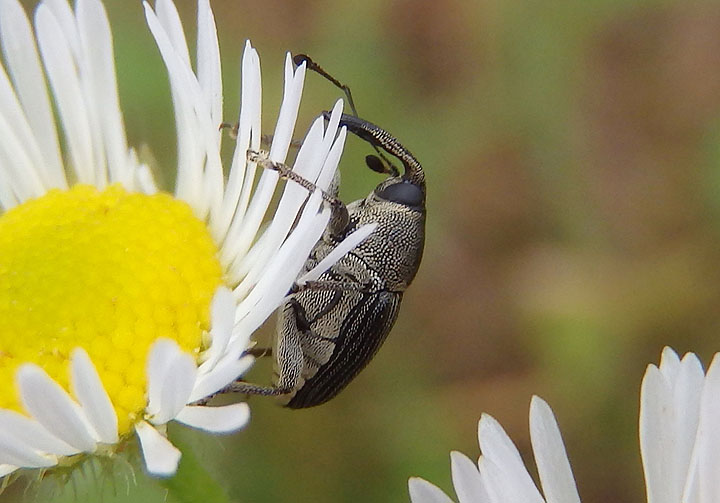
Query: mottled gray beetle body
pixel 330 328
pixel 326 336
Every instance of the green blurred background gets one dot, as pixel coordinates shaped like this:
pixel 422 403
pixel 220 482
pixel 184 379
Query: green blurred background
pixel 572 152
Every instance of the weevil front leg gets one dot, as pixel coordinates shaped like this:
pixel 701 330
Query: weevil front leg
pixel 339 217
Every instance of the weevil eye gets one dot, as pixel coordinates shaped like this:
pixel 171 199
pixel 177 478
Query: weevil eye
pixel 404 193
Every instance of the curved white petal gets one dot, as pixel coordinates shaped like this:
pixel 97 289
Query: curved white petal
pixel 226 419
pixel 171 42
pixel 222 318
pixel 226 371
pixel 33 434
pixel 15 452
pixel 53 408
pixel 467 480
pixel 171 376
pixel 177 385
pixel 161 457
pixel 558 482
pixel 240 237
pixel 707 455
pixel 66 20
pixel 170 20
pixel 208 58
pixel 347 244
pixel 57 55
pixel 101 83
pixel 7 469
pixel 161 356
pixel 23 64
pixel 669 415
pixel 239 184
pixel 504 472
pixel 90 393
pixel 308 164
pixel 144 179
pixel 422 491
pixel 280 274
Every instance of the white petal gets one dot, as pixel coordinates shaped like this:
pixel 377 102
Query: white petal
pixel 20 173
pixel 59 64
pixel 242 236
pixel 208 59
pixel 225 419
pixel 708 440
pixel 144 179
pixel 161 356
pixel 161 457
pixel 89 391
pixel 53 408
pixel 348 244
pixel 200 172
pixel 422 491
pixel 505 472
pixel 226 371
pixel 12 113
pixel 553 465
pixel 234 204
pixel 655 407
pixel 467 480
pixel 336 139
pixel 506 486
pixel 190 156
pixel 294 80
pixel 177 385
pixel 96 40
pixel 669 415
pixel 222 318
pixel 170 19
pixel 24 67
pixel 33 434
pixel 669 363
pixel 308 164
pixel 15 452
pixel 272 287
pixel 66 20
pixel 7 469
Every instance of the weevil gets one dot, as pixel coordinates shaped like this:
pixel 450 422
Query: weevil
pixel 329 329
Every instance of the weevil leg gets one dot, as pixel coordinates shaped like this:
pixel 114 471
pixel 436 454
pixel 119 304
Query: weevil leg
pixel 244 388
pixel 259 352
pixel 344 286
pixel 339 216
pixel 232 127
pixel 247 388
pixel 286 172
pixel 266 139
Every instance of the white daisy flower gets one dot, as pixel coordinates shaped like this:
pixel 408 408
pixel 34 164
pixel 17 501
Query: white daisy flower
pixel 121 305
pixel 679 443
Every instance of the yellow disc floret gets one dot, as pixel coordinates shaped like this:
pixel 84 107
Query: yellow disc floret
pixel 109 271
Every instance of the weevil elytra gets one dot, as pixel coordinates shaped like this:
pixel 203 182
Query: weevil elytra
pixel 330 328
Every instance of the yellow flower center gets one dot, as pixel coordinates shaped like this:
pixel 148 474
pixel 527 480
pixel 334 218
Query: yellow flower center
pixel 109 271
